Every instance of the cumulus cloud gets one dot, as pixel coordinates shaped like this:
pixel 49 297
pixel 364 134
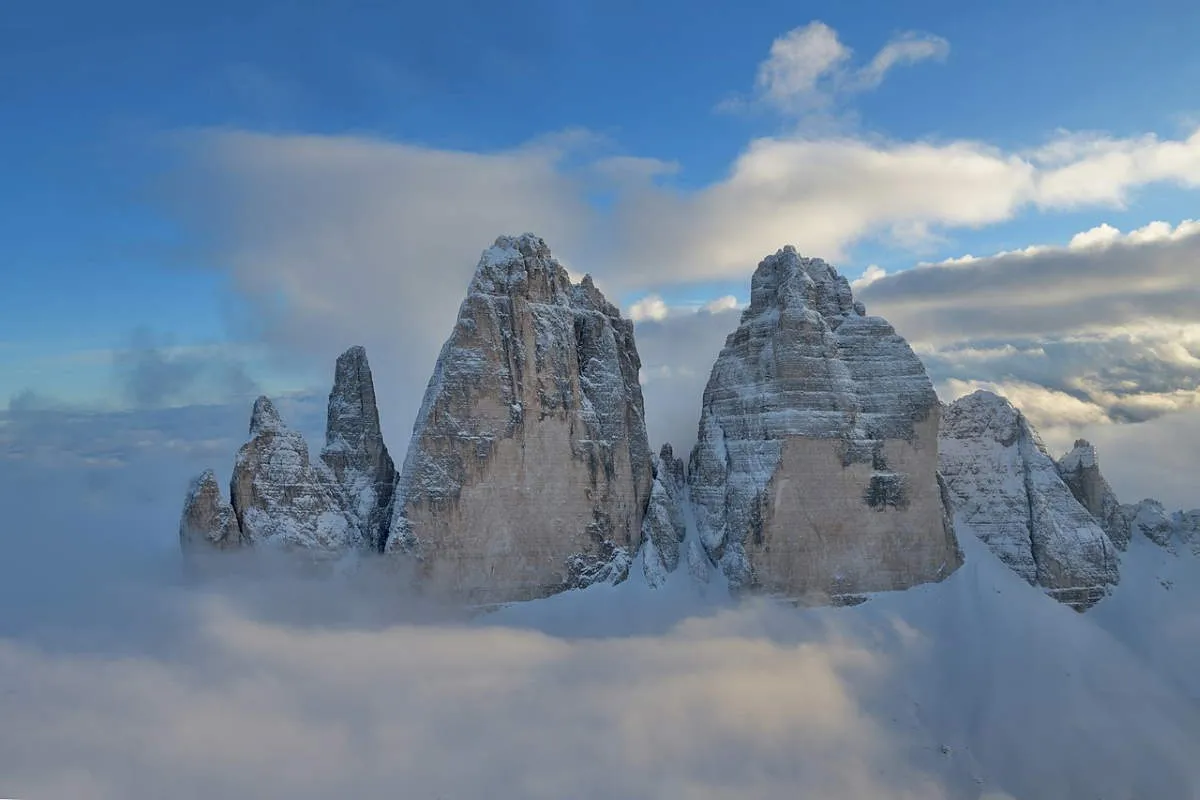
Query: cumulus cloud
pixel 651 306
pixel 808 68
pixel 872 273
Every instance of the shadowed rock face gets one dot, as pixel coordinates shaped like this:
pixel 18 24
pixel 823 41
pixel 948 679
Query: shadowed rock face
pixel 815 469
pixel 1080 470
pixel 1009 490
pixel 529 469
pixel 208 520
pixel 354 450
pixel 664 526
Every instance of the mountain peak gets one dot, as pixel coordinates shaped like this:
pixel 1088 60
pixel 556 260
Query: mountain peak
pixel 265 417
pixel 521 266
pixel 789 280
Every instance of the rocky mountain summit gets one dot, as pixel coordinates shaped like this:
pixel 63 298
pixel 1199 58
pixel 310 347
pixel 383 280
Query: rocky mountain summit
pixel 281 498
pixel 815 469
pixel 529 470
pixel 1009 490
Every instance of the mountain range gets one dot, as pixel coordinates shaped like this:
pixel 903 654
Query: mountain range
pixel 825 467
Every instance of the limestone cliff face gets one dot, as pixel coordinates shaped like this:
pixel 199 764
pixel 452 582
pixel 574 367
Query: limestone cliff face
pixel 815 469
pixel 279 498
pixel 529 469
pixel 1008 489
pixel 354 450
pixel 1080 470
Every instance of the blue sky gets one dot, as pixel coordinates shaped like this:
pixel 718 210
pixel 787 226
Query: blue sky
pixel 96 98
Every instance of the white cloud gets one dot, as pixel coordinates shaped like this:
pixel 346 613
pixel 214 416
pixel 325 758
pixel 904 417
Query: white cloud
pixel 872 273
pixel 344 240
pixel 808 68
pixel 1101 280
pixel 907 48
pixel 725 303
pixel 799 59
pixel 649 307
pixel 1083 169
pixel 340 240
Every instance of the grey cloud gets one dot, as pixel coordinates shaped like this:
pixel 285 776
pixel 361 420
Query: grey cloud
pixel 1081 337
pixel 1054 290
pixel 29 400
pixel 150 373
pixel 344 240
pixel 1112 371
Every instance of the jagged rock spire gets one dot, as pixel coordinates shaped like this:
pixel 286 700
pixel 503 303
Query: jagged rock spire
pixel 1080 470
pixel 264 418
pixel 354 449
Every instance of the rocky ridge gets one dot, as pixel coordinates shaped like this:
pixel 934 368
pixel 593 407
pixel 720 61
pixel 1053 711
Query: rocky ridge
pixel 280 498
pixel 1009 490
pixel 1080 469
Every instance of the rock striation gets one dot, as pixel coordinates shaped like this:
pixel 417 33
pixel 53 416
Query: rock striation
pixel 1009 491
pixel 1080 470
pixel 815 469
pixel 529 470
pixel 664 527
pixel 280 498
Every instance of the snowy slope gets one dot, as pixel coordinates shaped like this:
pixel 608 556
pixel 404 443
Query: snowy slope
pixel 1155 610
pixel 984 684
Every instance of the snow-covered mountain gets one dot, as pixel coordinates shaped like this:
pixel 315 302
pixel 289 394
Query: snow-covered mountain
pixel 815 469
pixel 815 475
pixel 1008 488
